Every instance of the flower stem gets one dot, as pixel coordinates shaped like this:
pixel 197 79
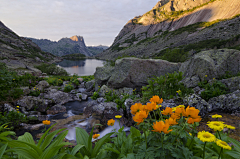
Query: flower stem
pixel 219 134
pixel 204 150
pixel 220 153
pixel 145 138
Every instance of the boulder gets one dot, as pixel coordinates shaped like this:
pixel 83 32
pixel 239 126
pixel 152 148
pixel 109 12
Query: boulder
pixel 34 103
pixel 102 111
pixel 26 90
pixel 58 97
pixel 102 75
pixel 8 107
pixel 196 101
pixel 42 85
pixel 82 96
pixel 213 63
pixel 56 109
pixel 232 84
pixel 104 89
pixel 134 73
pixel 227 103
pixel 89 84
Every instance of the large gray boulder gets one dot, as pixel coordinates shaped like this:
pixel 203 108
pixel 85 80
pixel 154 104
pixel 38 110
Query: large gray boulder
pixel 228 102
pixel 232 84
pixel 133 72
pixel 213 63
pixel 58 97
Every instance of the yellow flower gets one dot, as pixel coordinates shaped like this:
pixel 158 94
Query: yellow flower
pixel 17 106
pixel 111 122
pixel 95 136
pixel 190 134
pixel 206 136
pixel 13 79
pixel 213 78
pixel 229 126
pixel 158 106
pixel 178 91
pixel 6 126
pixel 17 111
pixel 223 144
pixel 205 75
pixel 46 122
pixel 216 125
pixel 216 116
pixel 118 116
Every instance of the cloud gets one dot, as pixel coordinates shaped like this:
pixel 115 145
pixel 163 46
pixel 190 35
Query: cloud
pixel 98 21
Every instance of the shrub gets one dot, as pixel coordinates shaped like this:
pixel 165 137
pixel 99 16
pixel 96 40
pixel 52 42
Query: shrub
pixel 173 55
pixel 87 78
pixel 214 89
pixel 68 88
pixel 165 86
pixel 13 118
pixel 52 69
pixel 54 81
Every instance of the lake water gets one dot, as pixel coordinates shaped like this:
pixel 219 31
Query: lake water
pixel 82 67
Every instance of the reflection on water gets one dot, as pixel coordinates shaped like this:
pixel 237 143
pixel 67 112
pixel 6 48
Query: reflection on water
pixel 82 67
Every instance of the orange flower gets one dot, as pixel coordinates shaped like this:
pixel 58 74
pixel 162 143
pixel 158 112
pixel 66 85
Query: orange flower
pixel 136 108
pixel 180 111
pixel 95 136
pixel 46 122
pixel 150 107
pixel 167 111
pixel 111 122
pixel 171 121
pixel 140 116
pixel 192 111
pixel 190 121
pixel 156 99
pixel 161 126
pixel 175 116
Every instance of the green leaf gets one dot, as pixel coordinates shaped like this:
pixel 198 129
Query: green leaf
pixel 90 141
pixel 59 156
pixel 100 143
pixel 27 137
pixel 2 150
pixel 44 135
pixel 82 137
pixel 113 150
pixel 49 138
pixel 76 149
pixel 24 151
pixel 86 157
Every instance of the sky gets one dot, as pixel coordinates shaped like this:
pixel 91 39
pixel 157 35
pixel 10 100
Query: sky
pixel 98 21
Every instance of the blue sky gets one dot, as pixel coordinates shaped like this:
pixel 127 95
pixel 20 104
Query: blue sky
pixel 98 21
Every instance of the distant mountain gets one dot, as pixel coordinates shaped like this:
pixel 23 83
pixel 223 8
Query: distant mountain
pixel 191 25
pixel 19 52
pixel 64 46
pixel 97 49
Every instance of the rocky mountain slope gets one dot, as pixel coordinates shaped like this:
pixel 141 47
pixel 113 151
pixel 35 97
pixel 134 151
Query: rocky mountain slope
pixel 64 46
pixel 96 49
pixel 177 24
pixel 21 53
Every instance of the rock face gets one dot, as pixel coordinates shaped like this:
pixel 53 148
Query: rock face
pixel 163 27
pixel 64 46
pixel 18 52
pixel 133 72
pixel 213 63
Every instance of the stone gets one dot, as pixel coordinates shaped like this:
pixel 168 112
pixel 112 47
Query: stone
pixel 193 100
pixel 56 109
pixel 89 84
pixel 34 103
pixel 134 73
pixel 82 96
pixel 31 127
pixel 57 97
pixel 26 90
pixel 124 90
pixel 102 75
pixel 101 100
pixel 8 107
pixel 39 117
pixel 73 91
pixel 42 85
pixel 227 103
pixel 232 84
pixel 213 63
pixel 104 89
pixel 80 80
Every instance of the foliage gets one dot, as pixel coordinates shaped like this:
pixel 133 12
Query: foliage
pixel 214 89
pixel 35 92
pixel 165 86
pixel 54 81
pixel 13 118
pixel 87 78
pixel 74 56
pixel 52 69
pixel 173 55
pixel 68 87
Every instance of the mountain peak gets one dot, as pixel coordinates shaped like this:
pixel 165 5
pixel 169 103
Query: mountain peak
pixel 76 38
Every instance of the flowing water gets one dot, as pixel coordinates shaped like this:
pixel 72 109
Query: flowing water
pixel 82 67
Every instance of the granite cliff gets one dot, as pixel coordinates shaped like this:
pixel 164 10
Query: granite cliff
pixel 177 24
pixel 64 46
pixel 21 53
